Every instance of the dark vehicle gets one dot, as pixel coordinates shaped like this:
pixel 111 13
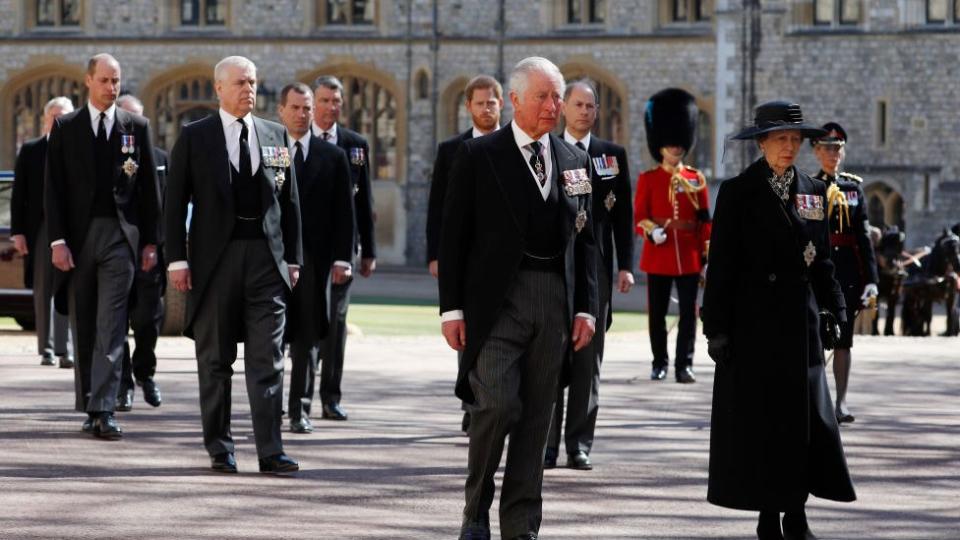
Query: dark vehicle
pixel 16 300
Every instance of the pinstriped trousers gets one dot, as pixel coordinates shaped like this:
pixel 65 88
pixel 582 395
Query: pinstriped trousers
pixel 514 381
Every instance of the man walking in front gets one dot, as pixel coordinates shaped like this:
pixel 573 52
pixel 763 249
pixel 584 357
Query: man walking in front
pixel 244 257
pixel 517 276
pixel 102 215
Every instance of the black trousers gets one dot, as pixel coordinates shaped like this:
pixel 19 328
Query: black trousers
pixel 245 301
pixel 146 317
pixel 334 346
pixel 305 346
pixel 658 300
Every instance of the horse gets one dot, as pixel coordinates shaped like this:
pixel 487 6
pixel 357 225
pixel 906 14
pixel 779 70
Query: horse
pixel 936 280
pixel 891 259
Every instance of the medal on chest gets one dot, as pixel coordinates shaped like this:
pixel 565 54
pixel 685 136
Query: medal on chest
pixel 606 166
pixel 576 182
pixel 809 206
pixel 278 159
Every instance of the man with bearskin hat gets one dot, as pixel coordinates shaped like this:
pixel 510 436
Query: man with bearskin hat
pixel 851 248
pixel 672 213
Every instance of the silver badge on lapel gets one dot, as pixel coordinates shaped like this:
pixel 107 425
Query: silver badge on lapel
pixel 581 220
pixel 127 144
pixel 130 167
pixel 576 182
pixel 809 206
pixel 606 166
pixel 357 156
pixel 809 253
pixel 609 201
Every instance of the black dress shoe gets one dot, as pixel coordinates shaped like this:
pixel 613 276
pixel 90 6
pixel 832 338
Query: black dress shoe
pixel 465 423
pixel 106 427
pixel 124 400
pixel 579 461
pixel 277 464
pixel 528 536
pixel 685 376
pixel 66 362
pixel 476 529
pixel 87 426
pixel 224 463
pixel 333 411
pixel 151 392
pixel 658 374
pixel 550 459
pixel 301 425
pixel 48 360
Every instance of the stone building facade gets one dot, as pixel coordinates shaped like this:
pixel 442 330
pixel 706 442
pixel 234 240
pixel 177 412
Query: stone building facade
pixel 885 69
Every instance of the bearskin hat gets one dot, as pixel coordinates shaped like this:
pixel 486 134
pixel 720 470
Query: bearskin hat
pixel 670 118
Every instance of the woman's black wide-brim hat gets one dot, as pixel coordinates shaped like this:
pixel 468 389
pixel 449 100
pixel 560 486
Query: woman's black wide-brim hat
pixel 778 116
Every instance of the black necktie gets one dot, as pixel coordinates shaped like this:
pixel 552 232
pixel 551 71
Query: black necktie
pixel 326 136
pixel 581 146
pixel 298 161
pixel 246 167
pixel 536 162
pixel 102 130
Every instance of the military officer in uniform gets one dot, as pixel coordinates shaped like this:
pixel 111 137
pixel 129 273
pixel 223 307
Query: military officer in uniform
pixel 484 101
pixel 851 248
pixel 612 227
pixel 770 307
pixel 29 236
pixel 672 213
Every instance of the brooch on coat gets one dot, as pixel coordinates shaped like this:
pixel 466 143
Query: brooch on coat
pixel 609 201
pixel 581 220
pixel 130 167
pixel 276 157
pixel 606 166
pixel 576 182
pixel 809 206
pixel 809 253
pixel 357 156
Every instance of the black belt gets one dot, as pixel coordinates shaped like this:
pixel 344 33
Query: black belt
pixel 544 264
pixel 248 228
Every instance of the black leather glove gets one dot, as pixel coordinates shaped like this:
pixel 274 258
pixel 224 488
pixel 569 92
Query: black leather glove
pixel 829 330
pixel 718 347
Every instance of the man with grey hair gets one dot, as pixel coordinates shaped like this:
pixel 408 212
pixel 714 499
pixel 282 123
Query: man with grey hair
pixel 30 239
pixel 517 277
pixel 102 213
pixel 146 302
pixel 244 259
pixel 328 104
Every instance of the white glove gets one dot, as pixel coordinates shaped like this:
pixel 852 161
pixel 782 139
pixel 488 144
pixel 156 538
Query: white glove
pixel 659 236
pixel 869 291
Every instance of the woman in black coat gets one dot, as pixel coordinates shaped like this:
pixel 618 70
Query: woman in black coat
pixel 774 438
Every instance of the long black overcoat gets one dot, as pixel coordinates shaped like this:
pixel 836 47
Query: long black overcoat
pixel 774 437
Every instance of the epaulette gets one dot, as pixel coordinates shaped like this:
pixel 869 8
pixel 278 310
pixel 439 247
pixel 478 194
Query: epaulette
pixel 851 177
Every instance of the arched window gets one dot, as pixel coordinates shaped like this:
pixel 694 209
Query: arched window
pixel 702 157
pixel 27 101
pixel 610 119
pixel 371 110
pixel 180 102
pixel 422 83
pixel 460 119
pixel 884 206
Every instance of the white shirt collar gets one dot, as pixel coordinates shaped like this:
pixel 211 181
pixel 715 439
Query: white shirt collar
pixel 231 132
pixel 304 143
pixel 229 119
pixel 567 136
pixel 332 131
pixel 111 114
pixel 477 133
pixel 523 140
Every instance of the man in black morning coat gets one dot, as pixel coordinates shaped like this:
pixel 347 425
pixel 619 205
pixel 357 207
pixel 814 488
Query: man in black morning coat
pixel 102 213
pixel 244 257
pixel 517 280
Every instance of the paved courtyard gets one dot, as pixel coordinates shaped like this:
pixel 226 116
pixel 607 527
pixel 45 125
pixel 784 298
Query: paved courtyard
pixel 396 468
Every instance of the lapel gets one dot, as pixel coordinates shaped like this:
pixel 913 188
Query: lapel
pixel 84 134
pixel 310 167
pixel 266 137
pixel 216 154
pixel 510 172
pixel 467 135
pixel 564 160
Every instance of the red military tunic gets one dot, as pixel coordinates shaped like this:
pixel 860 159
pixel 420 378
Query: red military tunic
pixel 687 223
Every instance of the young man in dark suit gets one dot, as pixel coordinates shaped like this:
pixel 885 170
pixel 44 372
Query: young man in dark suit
pixel 326 195
pixel 30 239
pixel 244 258
pixel 484 101
pixel 612 226
pixel 517 286
pixel 102 217
pixel 146 303
pixel 328 103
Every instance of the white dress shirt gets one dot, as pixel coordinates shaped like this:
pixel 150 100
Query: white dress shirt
pixel 477 133
pixel 523 140
pixel 108 121
pixel 332 132
pixel 567 136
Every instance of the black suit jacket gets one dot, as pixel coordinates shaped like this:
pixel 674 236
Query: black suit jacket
pixel 349 140
pixel 160 161
pixel 326 201
pixel 446 150
pixel 483 236
pixel 71 181
pixel 612 226
pixel 26 201
pixel 200 173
